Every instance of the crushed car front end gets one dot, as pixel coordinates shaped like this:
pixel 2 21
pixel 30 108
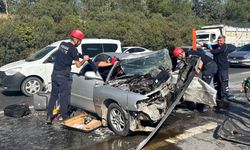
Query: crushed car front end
pixel 151 77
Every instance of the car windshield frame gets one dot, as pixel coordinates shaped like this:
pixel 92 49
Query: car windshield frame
pixel 146 63
pixel 124 49
pixel 40 54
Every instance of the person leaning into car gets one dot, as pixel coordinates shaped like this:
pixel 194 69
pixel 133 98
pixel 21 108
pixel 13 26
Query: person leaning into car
pixel 221 77
pixel 60 77
pixel 207 66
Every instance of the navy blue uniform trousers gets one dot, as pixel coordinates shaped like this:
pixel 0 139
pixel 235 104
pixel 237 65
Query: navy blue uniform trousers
pixel 208 71
pixel 221 84
pixel 61 86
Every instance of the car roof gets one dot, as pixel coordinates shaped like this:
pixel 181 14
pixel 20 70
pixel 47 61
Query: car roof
pixel 123 56
pixel 118 55
pixel 132 47
pixel 88 40
pixel 96 40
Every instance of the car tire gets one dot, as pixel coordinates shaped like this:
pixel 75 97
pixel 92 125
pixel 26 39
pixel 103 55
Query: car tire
pixel 118 120
pixel 31 86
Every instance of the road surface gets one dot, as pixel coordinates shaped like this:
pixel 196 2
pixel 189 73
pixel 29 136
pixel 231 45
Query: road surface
pixel 184 129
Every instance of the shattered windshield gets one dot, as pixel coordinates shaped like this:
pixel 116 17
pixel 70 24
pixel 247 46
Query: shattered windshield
pixel 147 63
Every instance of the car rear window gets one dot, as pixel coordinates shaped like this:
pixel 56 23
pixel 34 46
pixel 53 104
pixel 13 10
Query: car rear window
pixel 135 50
pixel 91 49
pixel 109 47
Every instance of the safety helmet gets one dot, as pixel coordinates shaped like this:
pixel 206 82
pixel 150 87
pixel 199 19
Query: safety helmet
pixel 177 51
pixel 112 60
pixel 77 34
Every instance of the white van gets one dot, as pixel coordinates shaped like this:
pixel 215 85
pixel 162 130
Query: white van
pixel 34 73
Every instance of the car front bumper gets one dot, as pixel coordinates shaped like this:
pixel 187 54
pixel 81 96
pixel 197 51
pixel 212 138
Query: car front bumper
pixel 11 83
pixel 237 62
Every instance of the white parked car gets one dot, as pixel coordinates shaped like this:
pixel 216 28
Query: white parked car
pixel 34 73
pixel 135 50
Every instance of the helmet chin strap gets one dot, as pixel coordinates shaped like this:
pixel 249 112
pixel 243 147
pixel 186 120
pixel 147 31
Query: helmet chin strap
pixel 75 42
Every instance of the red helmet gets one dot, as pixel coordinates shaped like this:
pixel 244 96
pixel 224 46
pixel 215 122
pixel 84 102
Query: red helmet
pixel 114 59
pixel 177 51
pixel 77 34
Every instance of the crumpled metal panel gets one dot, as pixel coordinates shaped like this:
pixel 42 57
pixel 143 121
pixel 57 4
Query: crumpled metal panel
pixel 200 92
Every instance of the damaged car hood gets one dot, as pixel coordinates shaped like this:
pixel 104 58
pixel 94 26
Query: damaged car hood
pixel 144 74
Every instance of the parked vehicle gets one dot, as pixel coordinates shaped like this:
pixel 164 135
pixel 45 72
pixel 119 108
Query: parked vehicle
pixel 234 35
pixel 135 50
pixel 240 57
pixel 133 94
pixel 34 73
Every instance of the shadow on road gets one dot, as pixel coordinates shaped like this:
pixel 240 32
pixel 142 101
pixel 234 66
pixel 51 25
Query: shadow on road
pixel 10 93
pixel 239 67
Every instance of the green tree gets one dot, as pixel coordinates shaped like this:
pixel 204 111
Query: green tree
pixel 148 23
pixel 56 9
pixel 213 11
pixel 238 10
pixel 11 43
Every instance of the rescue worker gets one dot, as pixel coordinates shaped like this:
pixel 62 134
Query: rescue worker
pixel 221 77
pixel 174 61
pixel 64 56
pixel 207 66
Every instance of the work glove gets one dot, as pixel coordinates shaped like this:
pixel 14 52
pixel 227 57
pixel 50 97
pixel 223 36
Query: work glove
pixel 209 46
pixel 85 57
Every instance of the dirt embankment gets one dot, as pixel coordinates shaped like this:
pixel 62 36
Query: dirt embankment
pixel 5 16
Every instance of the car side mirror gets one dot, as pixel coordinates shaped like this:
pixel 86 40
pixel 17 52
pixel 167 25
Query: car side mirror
pixel 92 75
pixel 51 59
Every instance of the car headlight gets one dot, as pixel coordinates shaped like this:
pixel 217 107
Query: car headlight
pixel 12 71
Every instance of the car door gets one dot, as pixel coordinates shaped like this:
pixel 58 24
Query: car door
pixel 82 90
pixel 48 66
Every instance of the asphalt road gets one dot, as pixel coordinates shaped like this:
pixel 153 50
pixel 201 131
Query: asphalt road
pixel 185 129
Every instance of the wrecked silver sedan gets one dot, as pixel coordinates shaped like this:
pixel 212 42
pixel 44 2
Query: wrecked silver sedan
pixel 134 93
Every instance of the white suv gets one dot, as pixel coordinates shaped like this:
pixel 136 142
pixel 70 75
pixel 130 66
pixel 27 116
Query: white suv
pixel 34 73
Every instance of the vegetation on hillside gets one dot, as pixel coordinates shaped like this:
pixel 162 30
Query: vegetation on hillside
pixel 153 24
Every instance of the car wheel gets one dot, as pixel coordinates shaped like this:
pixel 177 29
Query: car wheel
pixel 31 86
pixel 117 119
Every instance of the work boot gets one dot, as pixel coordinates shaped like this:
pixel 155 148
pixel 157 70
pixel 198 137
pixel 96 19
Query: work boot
pixel 49 120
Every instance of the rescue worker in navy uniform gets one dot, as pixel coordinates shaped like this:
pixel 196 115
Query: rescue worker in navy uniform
pixel 207 66
pixel 65 55
pixel 221 77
